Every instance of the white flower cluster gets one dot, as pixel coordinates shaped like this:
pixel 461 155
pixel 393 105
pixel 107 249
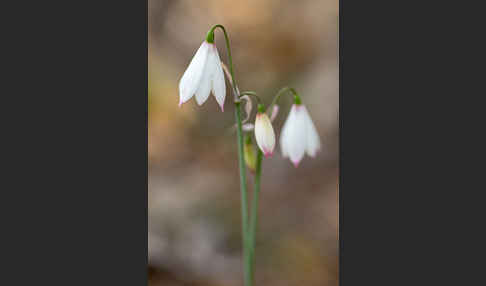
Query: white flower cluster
pixel 205 75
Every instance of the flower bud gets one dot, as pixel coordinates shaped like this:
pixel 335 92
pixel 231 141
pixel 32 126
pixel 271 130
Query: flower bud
pixel 249 154
pixel 264 134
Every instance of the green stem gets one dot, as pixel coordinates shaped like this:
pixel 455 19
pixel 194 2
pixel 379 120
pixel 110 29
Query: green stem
pixel 244 200
pixel 210 38
pixel 241 162
pixel 254 213
pixel 279 94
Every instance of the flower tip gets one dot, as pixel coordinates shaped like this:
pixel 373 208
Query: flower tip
pixel 222 108
pixel 268 154
pixel 296 163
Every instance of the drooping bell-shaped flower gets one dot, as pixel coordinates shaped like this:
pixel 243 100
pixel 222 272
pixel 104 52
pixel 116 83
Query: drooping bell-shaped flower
pixel 264 134
pixel 203 75
pixel 299 135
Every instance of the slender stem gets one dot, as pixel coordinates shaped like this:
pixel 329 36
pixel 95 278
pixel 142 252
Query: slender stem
pixel 254 213
pixel 241 162
pixel 279 94
pixel 244 200
pixel 230 59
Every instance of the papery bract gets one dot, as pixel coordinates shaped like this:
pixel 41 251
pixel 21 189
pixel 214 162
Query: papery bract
pixel 274 113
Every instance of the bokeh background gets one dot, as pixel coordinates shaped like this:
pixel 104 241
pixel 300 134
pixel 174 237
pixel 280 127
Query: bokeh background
pixel 194 227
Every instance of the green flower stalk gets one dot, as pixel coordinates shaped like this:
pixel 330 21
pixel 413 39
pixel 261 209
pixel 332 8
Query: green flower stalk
pixel 205 75
pixel 241 162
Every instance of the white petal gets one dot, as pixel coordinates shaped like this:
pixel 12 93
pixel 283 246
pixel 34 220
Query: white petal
pixel 204 88
pixel 312 139
pixel 193 74
pixel 264 134
pixel 294 135
pixel 218 84
pixel 284 134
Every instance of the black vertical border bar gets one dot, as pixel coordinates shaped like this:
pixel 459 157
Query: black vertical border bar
pixel 74 203
pixel 145 282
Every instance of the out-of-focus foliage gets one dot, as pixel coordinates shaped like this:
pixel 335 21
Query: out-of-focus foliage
pixel 194 200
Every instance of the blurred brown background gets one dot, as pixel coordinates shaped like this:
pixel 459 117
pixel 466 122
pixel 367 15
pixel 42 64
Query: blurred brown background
pixel 194 201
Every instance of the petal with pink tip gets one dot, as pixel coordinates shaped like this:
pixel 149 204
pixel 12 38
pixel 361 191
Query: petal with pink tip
pixel 284 135
pixel 293 138
pixel 204 89
pixel 218 84
pixel 191 78
pixel 312 140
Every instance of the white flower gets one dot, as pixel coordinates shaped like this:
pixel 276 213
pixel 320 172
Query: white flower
pixel 299 135
pixel 203 75
pixel 264 135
